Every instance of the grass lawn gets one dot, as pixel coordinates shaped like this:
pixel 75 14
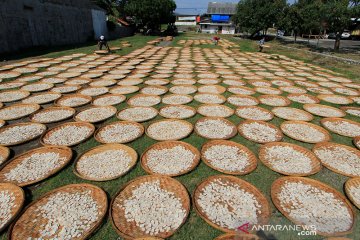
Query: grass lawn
pixel 195 228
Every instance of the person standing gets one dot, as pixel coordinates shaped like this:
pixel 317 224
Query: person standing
pixel 261 44
pixel 103 43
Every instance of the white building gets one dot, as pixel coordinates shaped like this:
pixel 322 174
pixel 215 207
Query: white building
pixel 218 19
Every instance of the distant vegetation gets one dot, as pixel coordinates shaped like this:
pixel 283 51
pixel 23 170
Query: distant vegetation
pixel 304 16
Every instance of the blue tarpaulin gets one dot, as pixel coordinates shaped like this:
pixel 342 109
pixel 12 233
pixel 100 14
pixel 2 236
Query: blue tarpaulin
pixel 220 18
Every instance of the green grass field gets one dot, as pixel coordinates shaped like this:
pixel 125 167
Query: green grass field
pixel 195 228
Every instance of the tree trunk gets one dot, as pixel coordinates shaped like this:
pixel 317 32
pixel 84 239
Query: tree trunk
pixel 295 36
pixel 337 42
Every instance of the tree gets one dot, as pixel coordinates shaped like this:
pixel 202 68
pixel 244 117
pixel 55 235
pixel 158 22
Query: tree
pixel 256 15
pixel 337 15
pixel 111 6
pixel 151 13
pixel 310 15
pixel 291 20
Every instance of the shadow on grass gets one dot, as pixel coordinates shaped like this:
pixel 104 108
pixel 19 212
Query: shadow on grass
pixel 42 50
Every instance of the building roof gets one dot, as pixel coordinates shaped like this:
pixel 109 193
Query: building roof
pixel 221 8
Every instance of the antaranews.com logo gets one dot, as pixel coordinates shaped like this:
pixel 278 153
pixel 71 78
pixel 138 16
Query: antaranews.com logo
pixel 302 230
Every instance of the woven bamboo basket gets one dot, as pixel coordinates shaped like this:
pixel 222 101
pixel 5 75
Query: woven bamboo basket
pixel 213 81
pixel 254 99
pixel 120 71
pixel 194 89
pixel 25 227
pixel 238 236
pixel 268 90
pixel 103 141
pixel 102 148
pixel 94 73
pixel 324 120
pixel 156 112
pixel 157 82
pixel 64 152
pixel 208 114
pixel 87 98
pixel 251 157
pixel 227 122
pixel 345 109
pixel 161 76
pixel 184 107
pixel 18 202
pixel 121 98
pixel 129 101
pixel 264 82
pixel 80 81
pixel 33 106
pixel 276 189
pixel 2 123
pixel 49 86
pixel 279 134
pixel 68 75
pixel 103 83
pixel 93 95
pixel 50 109
pixel 265 111
pixel 130 82
pixel 129 230
pixel 308 107
pixel 331 145
pixel 98 109
pixel 77 124
pixel 265 209
pixel 345 91
pixel 167 145
pixel 347 100
pixel 43 94
pixel 101 52
pixel 124 90
pixel 232 89
pixel 327 136
pixel 313 98
pixel 164 89
pixel 9 74
pixel 306 117
pixel 66 89
pixel 189 99
pixel 4 153
pixel 315 163
pixel 24 140
pixel 159 138
pixel 219 89
pixel 356 142
pixel 293 89
pixel 263 99
pixel 221 98
pixel 352 182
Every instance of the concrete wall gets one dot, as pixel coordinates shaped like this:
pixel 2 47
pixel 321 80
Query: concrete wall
pixel 212 29
pixel 209 29
pixel 228 30
pixel 28 23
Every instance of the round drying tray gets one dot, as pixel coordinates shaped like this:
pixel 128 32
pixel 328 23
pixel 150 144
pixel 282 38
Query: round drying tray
pixel 161 146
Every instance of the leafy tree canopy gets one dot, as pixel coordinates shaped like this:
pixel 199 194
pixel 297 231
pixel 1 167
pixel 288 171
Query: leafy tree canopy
pixel 255 15
pixel 151 13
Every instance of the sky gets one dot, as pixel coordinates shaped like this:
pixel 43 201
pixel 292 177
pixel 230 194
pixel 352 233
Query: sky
pixel 199 6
